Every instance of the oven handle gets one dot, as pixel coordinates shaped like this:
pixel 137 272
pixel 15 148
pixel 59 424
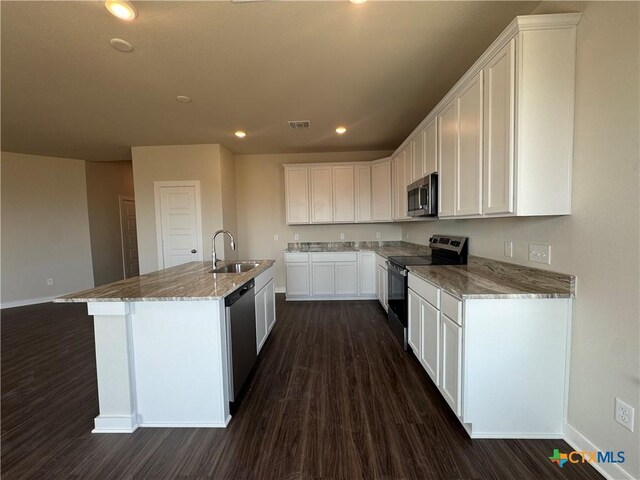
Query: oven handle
pixel 397 269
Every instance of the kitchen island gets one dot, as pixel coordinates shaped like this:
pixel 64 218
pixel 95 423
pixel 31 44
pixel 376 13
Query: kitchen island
pixel 161 346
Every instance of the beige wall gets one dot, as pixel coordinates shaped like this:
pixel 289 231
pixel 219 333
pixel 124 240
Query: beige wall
pixel 599 241
pixel 178 162
pixel 228 199
pixel 261 208
pixel 106 181
pixel 45 228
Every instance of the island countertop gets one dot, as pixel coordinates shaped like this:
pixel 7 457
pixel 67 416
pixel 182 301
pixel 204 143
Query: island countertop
pixel 191 281
pixel 486 278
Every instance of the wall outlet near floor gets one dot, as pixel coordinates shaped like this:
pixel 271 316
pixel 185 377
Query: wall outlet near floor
pixel 377 235
pixel 508 249
pixel 342 236
pixel 275 237
pixel 49 281
pixel 540 253
pixel 624 414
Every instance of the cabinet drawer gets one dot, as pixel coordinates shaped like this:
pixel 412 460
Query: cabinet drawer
pixel 429 292
pixel 264 278
pixel 335 257
pixel 296 257
pixel 451 307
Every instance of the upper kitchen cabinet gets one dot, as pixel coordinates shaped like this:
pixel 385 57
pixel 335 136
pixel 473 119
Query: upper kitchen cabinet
pixel 402 166
pixel 447 158
pixel 381 204
pixel 296 181
pixel 425 153
pixel 363 193
pixel 321 194
pixel 344 194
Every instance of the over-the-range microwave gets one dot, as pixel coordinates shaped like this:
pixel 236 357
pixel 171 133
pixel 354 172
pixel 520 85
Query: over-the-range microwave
pixel 423 197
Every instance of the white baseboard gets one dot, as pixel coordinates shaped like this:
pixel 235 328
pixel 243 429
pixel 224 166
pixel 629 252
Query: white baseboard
pixel 280 290
pixel 115 424
pixel 579 442
pixel 330 298
pixel 25 302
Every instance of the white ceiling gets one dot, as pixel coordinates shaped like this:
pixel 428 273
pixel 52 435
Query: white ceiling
pixel 376 68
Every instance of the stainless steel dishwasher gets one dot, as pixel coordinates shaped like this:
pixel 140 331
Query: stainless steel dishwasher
pixel 241 337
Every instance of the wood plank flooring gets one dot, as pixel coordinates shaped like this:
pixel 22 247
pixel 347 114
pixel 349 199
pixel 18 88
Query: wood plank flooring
pixel 333 397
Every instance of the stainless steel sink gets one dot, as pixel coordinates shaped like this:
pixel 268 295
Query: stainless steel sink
pixel 235 267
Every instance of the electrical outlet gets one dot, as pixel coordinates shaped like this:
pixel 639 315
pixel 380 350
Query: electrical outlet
pixel 624 414
pixel 275 237
pixel 378 235
pixel 508 249
pixel 49 281
pixel 296 237
pixel 342 236
pixel 540 253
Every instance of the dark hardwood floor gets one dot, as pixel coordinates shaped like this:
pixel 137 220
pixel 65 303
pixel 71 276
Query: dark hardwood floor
pixel 333 397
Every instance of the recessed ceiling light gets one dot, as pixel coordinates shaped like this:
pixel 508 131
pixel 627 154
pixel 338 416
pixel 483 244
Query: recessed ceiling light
pixel 121 45
pixel 358 2
pixel 183 99
pixel 340 130
pixel 123 9
pixel 241 134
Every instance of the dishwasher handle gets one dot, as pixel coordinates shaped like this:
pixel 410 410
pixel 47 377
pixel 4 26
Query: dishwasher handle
pixel 238 294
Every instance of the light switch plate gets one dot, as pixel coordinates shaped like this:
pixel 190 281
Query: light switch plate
pixel 378 235
pixel 49 281
pixel 296 237
pixel 342 236
pixel 540 253
pixel 275 237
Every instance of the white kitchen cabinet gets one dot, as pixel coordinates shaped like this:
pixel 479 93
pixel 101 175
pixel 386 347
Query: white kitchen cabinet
pixel 297 194
pixel 414 322
pixel 468 173
pixel 367 274
pixel 297 271
pixel 451 363
pixel 343 194
pixel 381 202
pixel 321 194
pixel 447 158
pixel 363 193
pixel 402 172
pixel 264 305
pixel 382 282
pixel 430 159
pixel 499 122
pixel 322 278
pixel 430 339
pixel 346 278
pixel 418 155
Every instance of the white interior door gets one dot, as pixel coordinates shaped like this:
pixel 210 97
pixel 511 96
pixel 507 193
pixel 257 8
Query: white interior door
pixel 179 232
pixel 129 237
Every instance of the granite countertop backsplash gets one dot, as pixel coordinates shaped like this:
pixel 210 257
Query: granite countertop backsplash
pixel 383 248
pixel 486 278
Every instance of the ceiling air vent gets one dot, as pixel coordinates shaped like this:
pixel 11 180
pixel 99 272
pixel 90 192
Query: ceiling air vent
pixel 299 124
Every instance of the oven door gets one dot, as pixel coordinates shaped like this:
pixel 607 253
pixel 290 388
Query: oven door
pixel 397 300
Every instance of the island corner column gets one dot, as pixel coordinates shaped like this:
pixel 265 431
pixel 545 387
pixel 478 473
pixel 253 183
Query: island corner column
pixel 114 367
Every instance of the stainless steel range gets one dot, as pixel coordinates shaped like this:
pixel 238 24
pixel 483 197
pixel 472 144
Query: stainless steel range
pixel 445 250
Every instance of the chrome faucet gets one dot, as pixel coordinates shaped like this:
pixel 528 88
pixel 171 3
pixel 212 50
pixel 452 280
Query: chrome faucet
pixel 213 245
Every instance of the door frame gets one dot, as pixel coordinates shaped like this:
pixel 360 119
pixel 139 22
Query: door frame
pixel 124 261
pixel 157 186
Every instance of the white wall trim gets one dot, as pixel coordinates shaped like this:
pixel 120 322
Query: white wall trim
pixel 115 424
pixel 28 301
pixel 579 442
pixel 157 185
pixel 280 290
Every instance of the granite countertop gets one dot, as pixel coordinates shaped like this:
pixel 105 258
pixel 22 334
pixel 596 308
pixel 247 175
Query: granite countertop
pixel 383 248
pixel 188 282
pixel 486 278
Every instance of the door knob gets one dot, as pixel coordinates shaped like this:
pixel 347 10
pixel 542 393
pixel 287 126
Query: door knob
pixel 193 251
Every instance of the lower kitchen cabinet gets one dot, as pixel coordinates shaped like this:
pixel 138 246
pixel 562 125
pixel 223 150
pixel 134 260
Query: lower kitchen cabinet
pixel 500 363
pixel 346 278
pixel 322 278
pixel 265 303
pixel 367 273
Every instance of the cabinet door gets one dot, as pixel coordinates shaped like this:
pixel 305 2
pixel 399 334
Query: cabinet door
pixel 298 279
pixel 321 194
pixel 344 206
pixel 270 304
pixel 451 363
pixel 261 318
pixel 447 153
pixel 499 91
pixel 469 165
pixel 417 146
pixel 430 339
pixel 297 194
pixel 396 176
pixel 381 204
pixel 363 193
pixel 379 283
pixel 430 163
pixel 322 278
pixel 367 274
pixel 408 173
pixel 381 277
pixel 385 289
pixel 414 323
pixel 346 278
